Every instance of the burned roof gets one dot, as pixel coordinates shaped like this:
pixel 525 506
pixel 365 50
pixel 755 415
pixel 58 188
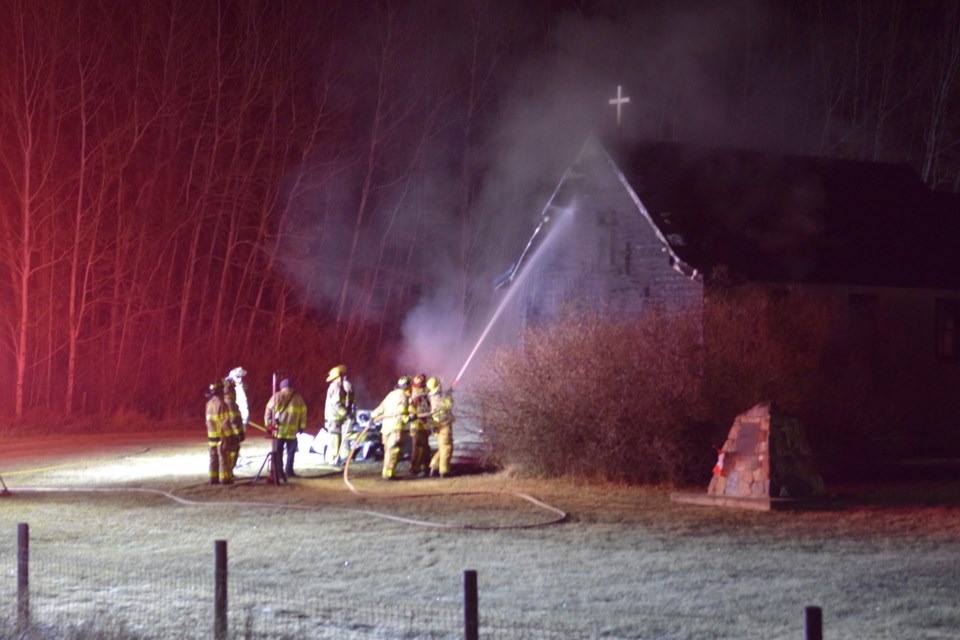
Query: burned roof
pixel 787 218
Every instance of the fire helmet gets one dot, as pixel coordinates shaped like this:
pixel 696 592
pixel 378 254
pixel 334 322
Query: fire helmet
pixel 433 383
pixel 419 380
pixel 403 382
pixel 213 389
pixel 237 374
pixel 336 372
pixel 286 383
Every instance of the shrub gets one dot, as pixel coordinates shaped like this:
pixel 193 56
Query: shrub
pixel 596 397
pixel 649 399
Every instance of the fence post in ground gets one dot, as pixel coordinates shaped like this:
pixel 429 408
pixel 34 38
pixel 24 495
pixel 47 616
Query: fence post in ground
pixel 23 576
pixel 220 590
pixel 814 622
pixel 471 618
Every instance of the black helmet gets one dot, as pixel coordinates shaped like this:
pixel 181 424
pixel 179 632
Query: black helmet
pixel 213 389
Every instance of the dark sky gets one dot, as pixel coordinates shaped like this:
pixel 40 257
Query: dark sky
pixel 400 153
pixel 858 80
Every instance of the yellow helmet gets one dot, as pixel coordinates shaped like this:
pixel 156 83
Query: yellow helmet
pixel 432 384
pixel 336 372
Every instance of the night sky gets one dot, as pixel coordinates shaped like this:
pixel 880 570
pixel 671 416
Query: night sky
pixel 187 187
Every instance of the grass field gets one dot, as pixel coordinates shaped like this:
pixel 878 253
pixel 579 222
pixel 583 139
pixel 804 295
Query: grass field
pixel 626 562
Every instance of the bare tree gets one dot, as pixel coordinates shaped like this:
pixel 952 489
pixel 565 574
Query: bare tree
pixel 491 36
pixel 31 130
pixel 941 132
pixel 388 113
pixel 90 191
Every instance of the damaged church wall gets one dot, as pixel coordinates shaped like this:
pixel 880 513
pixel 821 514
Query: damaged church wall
pixel 609 258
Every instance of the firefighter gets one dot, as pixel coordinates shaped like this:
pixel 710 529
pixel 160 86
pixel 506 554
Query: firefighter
pixel 338 412
pixel 441 416
pixel 393 415
pixel 419 425
pixel 285 417
pixel 233 427
pixel 217 427
pixel 237 375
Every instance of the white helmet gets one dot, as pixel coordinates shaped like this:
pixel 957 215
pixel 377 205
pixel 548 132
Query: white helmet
pixel 237 374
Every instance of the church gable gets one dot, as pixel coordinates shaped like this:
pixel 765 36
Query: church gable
pixel 607 255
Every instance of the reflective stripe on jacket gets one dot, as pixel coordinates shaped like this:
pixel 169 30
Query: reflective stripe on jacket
pixel 339 400
pixel 419 409
pixel 392 412
pixel 217 417
pixel 286 411
pixel 234 424
pixel 441 408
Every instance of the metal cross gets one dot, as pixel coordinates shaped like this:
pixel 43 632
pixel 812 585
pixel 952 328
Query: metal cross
pixel 619 101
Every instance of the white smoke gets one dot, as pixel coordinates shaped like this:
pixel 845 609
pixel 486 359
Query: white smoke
pixel 432 338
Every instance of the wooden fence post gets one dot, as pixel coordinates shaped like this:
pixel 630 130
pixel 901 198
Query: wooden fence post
pixel 814 623
pixel 471 618
pixel 23 577
pixel 220 590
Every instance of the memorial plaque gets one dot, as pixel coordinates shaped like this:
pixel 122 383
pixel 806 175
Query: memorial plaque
pixel 746 443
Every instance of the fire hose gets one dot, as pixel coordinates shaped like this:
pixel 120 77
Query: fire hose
pixel 257 426
pixel 559 514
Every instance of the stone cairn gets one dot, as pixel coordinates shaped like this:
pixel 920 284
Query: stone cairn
pixel 766 455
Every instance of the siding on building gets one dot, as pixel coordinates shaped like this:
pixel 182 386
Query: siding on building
pixel 600 253
pixel 652 226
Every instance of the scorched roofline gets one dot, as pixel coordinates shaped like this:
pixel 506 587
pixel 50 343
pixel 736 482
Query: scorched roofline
pixel 676 262
pixel 678 265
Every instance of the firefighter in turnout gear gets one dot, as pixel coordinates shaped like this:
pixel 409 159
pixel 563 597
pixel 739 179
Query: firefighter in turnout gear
pixel 234 425
pixel 441 416
pixel 285 417
pixel 218 429
pixel 419 427
pixel 338 413
pixel 393 414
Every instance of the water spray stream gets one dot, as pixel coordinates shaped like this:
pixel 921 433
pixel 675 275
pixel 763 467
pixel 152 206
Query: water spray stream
pixel 548 226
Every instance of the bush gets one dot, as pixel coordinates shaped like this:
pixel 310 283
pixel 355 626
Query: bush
pixel 649 399
pixel 596 397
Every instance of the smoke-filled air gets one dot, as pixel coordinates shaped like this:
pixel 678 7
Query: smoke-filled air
pixel 288 186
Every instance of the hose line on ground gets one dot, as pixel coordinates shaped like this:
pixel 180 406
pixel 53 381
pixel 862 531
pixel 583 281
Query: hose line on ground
pixel 559 515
